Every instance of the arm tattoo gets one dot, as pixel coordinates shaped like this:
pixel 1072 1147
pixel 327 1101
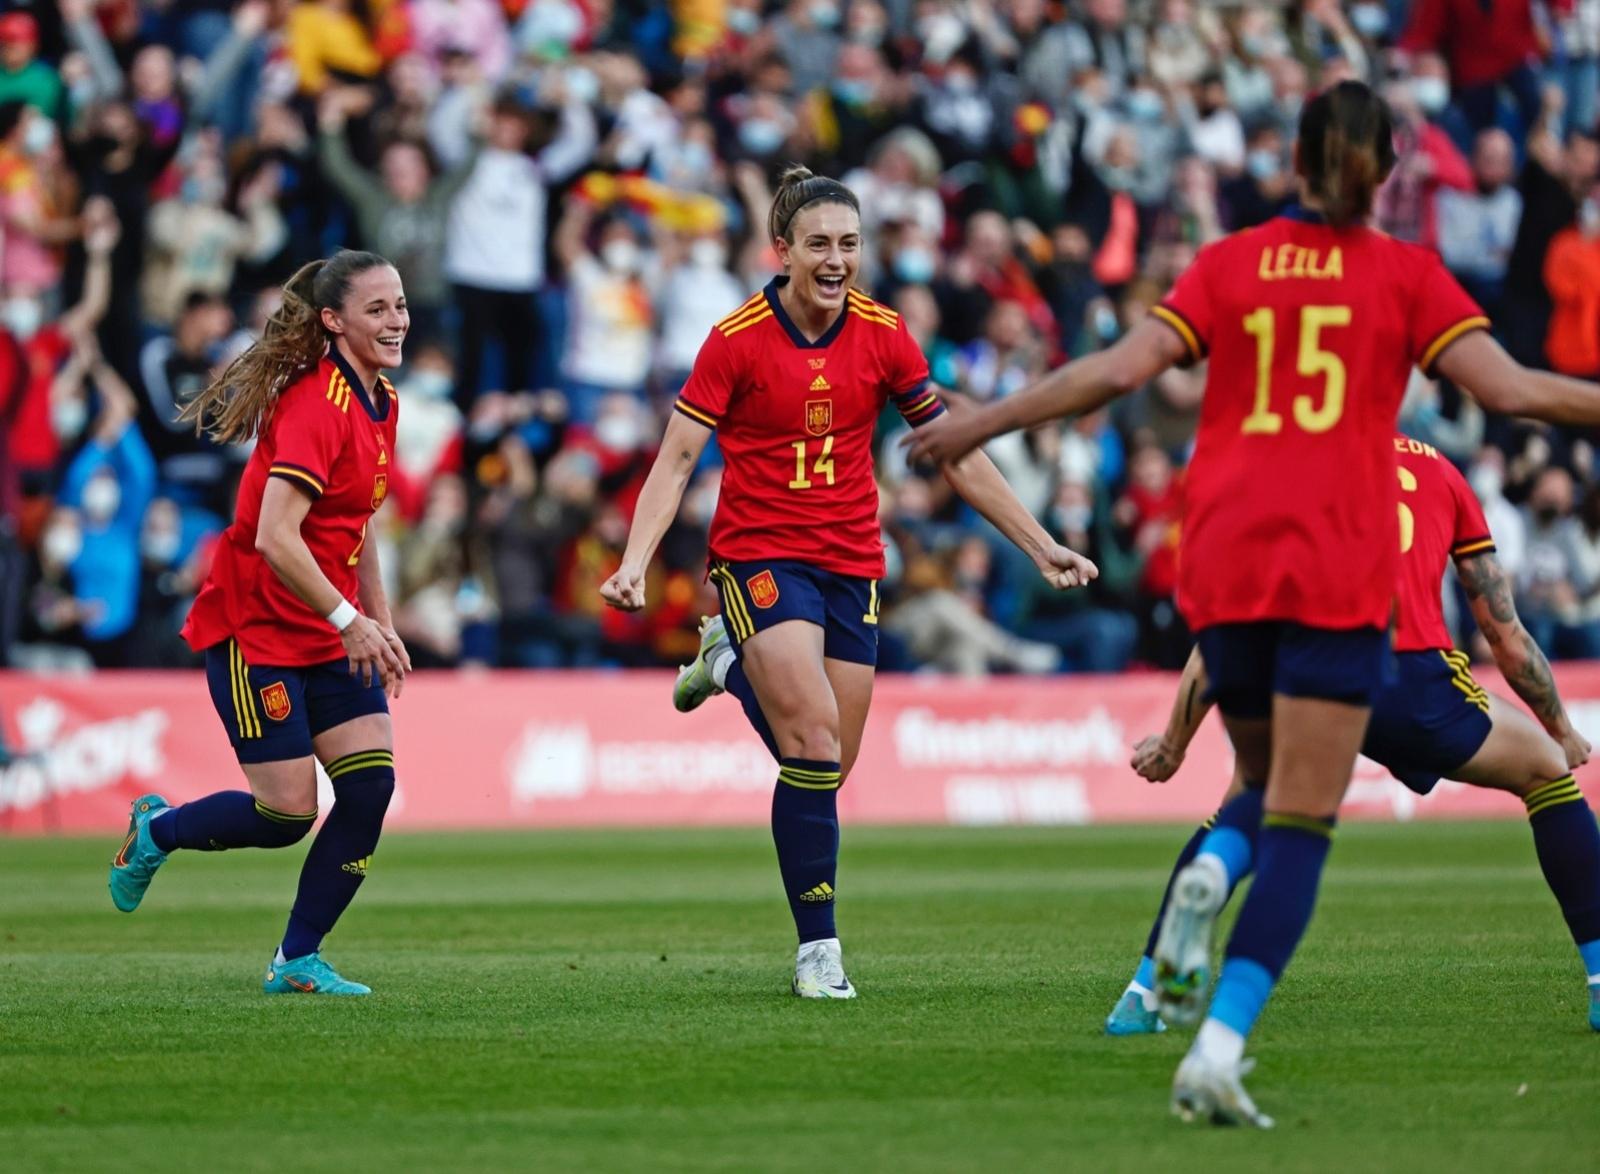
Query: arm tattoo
pixel 1520 659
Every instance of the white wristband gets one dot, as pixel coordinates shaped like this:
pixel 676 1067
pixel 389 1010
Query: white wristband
pixel 344 615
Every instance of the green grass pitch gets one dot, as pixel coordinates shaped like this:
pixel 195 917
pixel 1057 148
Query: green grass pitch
pixel 619 1001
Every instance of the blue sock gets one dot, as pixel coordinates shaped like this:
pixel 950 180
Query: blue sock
pixel 1293 849
pixel 739 685
pixel 1146 972
pixel 1233 839
pixel 228 819
pixel 805 828
pixel 363 784
pixel 1567 841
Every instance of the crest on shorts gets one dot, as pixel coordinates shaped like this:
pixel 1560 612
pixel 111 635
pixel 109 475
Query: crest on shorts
pixel 763 589
pixel 380 489
pixel 819 416
pixel 275 701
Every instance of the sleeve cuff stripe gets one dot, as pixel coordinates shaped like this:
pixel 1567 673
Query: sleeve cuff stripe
pixel 1448 336
pixel 304 480
pixel 1474 546
pixel 698 415
pixel 1178 322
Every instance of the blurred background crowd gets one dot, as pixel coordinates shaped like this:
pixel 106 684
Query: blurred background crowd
pixel 573 189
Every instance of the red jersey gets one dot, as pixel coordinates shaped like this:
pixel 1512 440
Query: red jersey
pixel 1440 519
pixel 328 438
pixel 1290 498
pixel 794 420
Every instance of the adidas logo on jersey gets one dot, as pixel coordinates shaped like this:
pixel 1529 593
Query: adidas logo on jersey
pixel 823 892
pixel 821 384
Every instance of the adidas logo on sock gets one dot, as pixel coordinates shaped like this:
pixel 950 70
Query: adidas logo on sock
pixel 823 892
pixel 359 867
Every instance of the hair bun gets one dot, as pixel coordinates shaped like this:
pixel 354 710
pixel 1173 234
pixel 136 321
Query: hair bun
pixel 793 175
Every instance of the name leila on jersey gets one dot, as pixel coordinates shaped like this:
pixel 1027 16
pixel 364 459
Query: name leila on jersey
pixel 1289 261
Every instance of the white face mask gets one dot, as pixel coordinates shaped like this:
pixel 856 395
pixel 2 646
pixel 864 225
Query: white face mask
pixel 160 546
pixel 1431 93
pixel 583 85
pixel 39 136
pixel 68 417
pixel 61 545
pixel 101 497
pixel 620 256
pixel 22 316
pixel 708 253
pixel 618 432
pixel 429 384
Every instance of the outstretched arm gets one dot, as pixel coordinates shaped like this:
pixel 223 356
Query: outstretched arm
pixel 1081 386
pixel 1479 365
pixel 1158 756
pixel 1520 660
pixel 658 504
pixel 976 479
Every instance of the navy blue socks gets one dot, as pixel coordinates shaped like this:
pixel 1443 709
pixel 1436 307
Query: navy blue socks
pixel 363 784
pixel 1568 843
pixel 228 819
pixel 805 829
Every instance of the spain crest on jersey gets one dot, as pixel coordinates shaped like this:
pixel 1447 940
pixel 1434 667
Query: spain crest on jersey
pixel 763 589
pixel 380 489
pixel 819 416
pixel 275 701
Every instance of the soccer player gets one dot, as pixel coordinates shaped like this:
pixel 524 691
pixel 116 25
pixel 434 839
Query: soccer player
pixel 299 673
pixel 1432 720
pixel 793 382
pixel 1290 548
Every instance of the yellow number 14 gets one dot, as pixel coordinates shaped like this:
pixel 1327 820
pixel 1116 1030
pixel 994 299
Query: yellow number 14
pixel 1313 361
pixel 823 467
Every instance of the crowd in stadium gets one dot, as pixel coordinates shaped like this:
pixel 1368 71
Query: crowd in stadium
pixel 573 191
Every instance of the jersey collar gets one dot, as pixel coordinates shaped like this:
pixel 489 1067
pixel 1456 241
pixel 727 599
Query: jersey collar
pixel 1303 214
pixel 360 389
pixel 795 335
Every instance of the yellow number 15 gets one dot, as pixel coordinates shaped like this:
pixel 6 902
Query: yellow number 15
pixel 1313 361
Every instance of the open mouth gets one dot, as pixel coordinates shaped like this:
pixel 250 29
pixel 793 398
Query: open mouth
pixel 830 284
pixel 391 341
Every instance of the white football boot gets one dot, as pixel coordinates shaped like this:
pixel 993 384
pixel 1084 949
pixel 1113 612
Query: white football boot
pixel 1183 947
pixel 696 681
pixel 819 971
pixel 1208 1090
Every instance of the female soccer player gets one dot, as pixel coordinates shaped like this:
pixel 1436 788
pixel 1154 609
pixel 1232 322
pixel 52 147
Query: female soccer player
pixel 298 672
pixel 1289 548
pixel 793 381
pixel 1433 719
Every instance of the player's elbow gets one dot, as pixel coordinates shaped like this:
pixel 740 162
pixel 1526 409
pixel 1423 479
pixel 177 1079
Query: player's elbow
pixel 270 544
pixel 1507 397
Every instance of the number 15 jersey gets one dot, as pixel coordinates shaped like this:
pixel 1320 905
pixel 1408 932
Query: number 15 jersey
pixel 794 420
pixel 1290 500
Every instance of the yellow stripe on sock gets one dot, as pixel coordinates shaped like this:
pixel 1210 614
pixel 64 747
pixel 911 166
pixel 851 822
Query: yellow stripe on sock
pixel 359 761
pixel 806 785
pixel 1552 794
pixel 273 813
pixel 1211 822
pixel 1303 823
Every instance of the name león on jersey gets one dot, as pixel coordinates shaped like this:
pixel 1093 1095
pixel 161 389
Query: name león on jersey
pixel 1288 261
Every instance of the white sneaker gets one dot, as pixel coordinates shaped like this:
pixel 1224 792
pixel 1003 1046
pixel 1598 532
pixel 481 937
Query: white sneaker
pixel 1207 1091
pixel 819 971
pixel 696 682
pixel 1183 947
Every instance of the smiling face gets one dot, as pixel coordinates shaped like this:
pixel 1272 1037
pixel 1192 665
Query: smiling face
pixel 372 323
pixel 822 254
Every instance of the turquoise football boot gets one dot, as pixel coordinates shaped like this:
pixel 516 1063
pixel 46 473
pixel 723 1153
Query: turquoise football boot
pixel 309 976
pixel 695 685
pixel 136 861
pixel 1131 1017
pixel 1594 1006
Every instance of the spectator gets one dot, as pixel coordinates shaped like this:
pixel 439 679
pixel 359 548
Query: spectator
pixel 173 369
pixel 23 77
pixel 1572 275
pixel 694 290
pixel 807 35
pixel 1215 131
pixel 1576 61
pixel 945 632
pixel 36 218
pixel 1490 47
pixel 1477 229
pixel 1429 163
pixel 1005 359
pixel 609 310
pixel 1553 594
pixel 1264 188
pixel 475 27
pixel 324 39
pixel 899 185
pixel 1150 513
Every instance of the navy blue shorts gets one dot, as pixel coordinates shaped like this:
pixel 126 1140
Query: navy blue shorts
pixel 1430 721
pixel 1248 663
pixel 272 713
pixel 757 595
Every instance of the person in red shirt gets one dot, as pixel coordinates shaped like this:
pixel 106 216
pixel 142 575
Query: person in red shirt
pixel 1490 44
pixel 793 382
pixel 1290 553
pixel 299 673
pixel 1432 720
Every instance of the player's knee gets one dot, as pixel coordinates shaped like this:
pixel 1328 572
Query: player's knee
pixel 816 740
pixel 284 833
pixel 369 795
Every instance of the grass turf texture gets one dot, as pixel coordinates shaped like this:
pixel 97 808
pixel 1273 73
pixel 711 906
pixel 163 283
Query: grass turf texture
pixel 620 1001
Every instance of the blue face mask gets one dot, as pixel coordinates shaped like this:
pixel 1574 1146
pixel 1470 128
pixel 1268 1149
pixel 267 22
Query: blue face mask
pixel 761 136
pixel 853 91
pixel 914 266
pixel 696 159
pixel 1264 164
pixel 1145 104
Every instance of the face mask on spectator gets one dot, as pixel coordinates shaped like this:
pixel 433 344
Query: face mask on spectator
pixel 825 14
pixel 1073 519
pixel 160 546
pixel 38 136
pixel 22 316
pixel 61 544
pixel 429 383
pixel 961 82
pixel 708 253
pixel 1145 104
pixel 101 497
pixel 620 256
pixel 618 432
pixel 1431 93
pixel 82 92
pixel 1264 164
pixel 867 34
pixel 696 159
pixel 761 136
pixel 853 91
pixel 1371 20
pixel 743 21
pixel 201 191
pixel 1486 482
pixel 914 265
pixel 941 34
pixel 1589 217
pixel 583 85
pixel 1105 323
pixel 1262 47
pixel 68 417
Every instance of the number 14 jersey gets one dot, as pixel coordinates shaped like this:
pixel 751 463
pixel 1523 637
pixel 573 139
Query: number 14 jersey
pixel 794 420
pixel 1311 334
